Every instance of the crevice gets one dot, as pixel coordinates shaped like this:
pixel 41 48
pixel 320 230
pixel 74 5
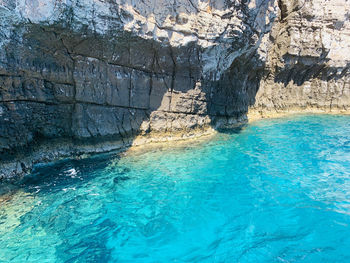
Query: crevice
pixel 193 5
pixel 283 8
pixel 173 76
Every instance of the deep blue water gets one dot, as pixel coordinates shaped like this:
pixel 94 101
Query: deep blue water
pixel 276 191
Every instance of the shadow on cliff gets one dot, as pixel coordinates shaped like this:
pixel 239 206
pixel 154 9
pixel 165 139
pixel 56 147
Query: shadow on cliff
pixel 300 69
pixel 83 88
pixel 89 90
pixel 64 93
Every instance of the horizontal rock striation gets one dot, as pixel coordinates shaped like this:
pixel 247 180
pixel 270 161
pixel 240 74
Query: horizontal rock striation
pixel 82 76
pixel 309 59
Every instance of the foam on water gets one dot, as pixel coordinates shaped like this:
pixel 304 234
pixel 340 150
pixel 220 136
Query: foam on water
pixel 276 191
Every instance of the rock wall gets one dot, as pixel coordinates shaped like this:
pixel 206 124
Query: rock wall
pixel 79 76
pixel 309 59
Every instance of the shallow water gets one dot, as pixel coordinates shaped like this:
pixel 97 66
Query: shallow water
pixel 275 191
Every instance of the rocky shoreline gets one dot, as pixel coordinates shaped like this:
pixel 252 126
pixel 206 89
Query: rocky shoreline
pixel 55 150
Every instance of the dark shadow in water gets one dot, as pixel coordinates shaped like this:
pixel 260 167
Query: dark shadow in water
pixel 233 130
pixel 120 179
pixel 66 173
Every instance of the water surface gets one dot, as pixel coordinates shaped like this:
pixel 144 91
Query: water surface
pixel 276 191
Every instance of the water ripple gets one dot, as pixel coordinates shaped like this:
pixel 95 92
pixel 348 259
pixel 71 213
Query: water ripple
pixel 275 191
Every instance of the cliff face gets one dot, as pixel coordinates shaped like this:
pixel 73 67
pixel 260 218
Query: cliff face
pixel 82 76
pixel 308 58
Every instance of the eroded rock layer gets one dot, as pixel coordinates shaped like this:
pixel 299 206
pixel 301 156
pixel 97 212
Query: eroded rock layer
pixel 308 58
pixel 79 76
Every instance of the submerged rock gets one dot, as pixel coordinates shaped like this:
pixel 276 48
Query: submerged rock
pixel 88 76
pixel 119 179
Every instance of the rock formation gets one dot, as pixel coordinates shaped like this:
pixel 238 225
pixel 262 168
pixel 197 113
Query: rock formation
pixel 82 76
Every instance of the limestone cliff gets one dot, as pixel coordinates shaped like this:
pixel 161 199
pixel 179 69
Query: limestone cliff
pixel 80 76
pixel 308 58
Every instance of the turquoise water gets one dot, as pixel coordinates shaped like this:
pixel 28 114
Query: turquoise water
pixel 275 191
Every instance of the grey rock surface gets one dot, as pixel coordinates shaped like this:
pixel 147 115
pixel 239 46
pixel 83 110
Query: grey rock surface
pixel 81 76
